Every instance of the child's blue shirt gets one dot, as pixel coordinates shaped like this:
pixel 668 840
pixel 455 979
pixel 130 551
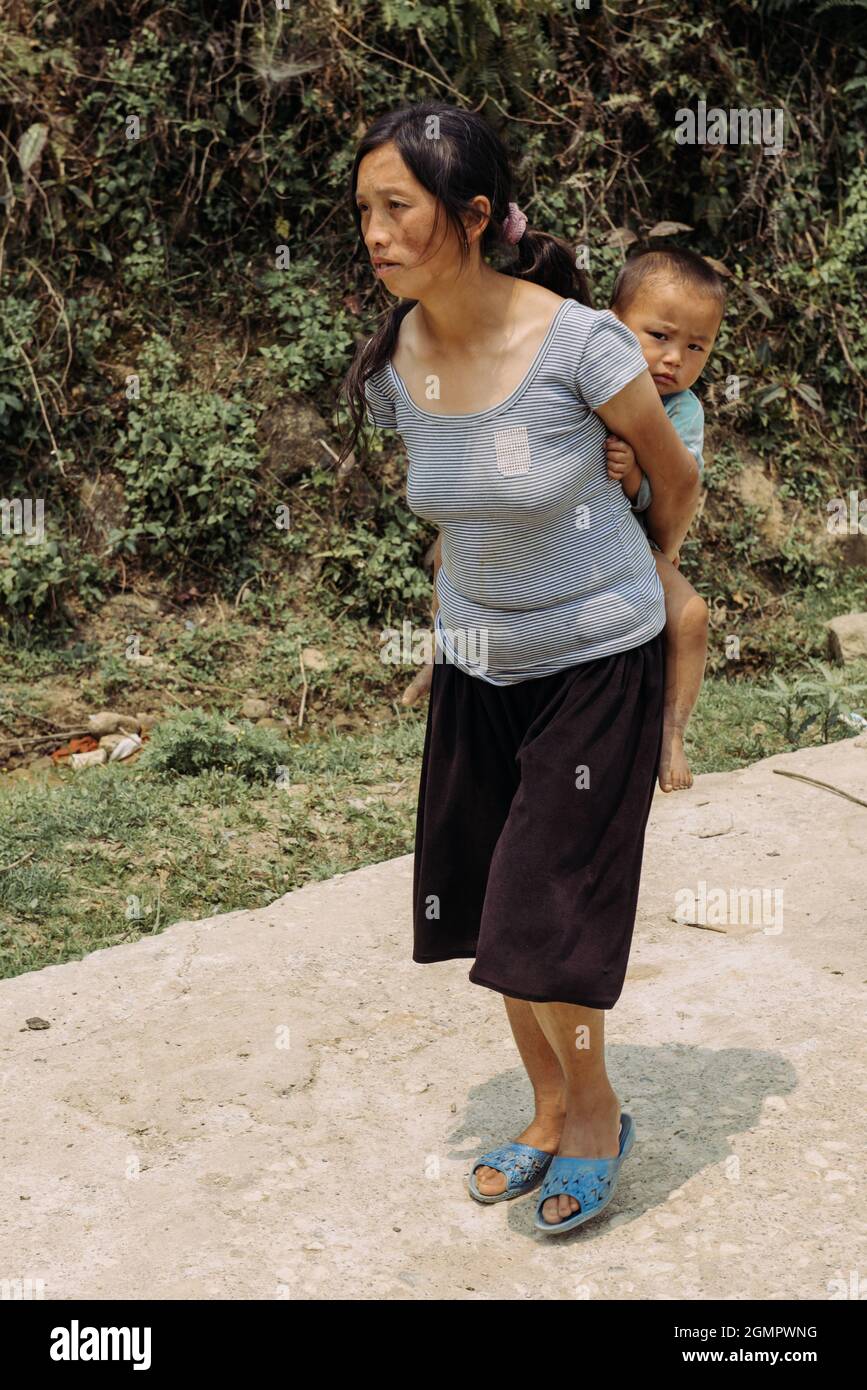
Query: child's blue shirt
pixel 684 410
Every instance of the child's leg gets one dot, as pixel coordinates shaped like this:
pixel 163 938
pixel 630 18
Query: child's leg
pixel 686 627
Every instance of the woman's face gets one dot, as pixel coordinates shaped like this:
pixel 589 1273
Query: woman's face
pixel 398 224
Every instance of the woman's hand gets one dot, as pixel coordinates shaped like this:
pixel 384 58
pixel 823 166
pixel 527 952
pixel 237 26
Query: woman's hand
pixel 419 686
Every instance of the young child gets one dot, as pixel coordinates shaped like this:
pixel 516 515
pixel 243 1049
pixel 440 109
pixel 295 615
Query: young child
pixel 673 301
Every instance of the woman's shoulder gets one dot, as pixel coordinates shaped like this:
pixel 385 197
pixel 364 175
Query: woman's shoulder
pixel 536 298
pixel 581 329
pixel 406 346
pixel 599 330
pixel 590 318
pixel 380 381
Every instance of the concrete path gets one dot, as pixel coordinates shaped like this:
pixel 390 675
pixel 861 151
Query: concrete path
pixel 281 1104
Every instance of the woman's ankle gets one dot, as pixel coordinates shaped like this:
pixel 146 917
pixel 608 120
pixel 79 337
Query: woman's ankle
pixel 549 1105
pixel 592 1101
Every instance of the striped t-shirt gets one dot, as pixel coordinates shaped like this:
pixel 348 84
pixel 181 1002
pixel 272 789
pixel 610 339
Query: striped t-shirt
pixel 544 563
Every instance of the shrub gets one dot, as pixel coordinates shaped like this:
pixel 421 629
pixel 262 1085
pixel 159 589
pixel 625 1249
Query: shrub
pixel 194 742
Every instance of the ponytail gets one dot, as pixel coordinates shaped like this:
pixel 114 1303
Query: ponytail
pixel 548 260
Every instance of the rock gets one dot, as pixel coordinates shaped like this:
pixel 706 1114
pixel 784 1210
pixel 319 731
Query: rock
pixel 103 503
pixel 99 755
pixel 110 741
pixel 128 610
pixel 847 636
pixel 851 550
pixel 128 745
pixel 146 722
pixel 110 722
pixel 278 724
pixel 255 709
pixel 37 1023
pixel 45 763
pixel 756 489
pixel 289 432
pixel 314 659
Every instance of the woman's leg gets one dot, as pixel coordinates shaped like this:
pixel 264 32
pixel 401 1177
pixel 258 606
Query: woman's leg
pixel 549 1090
pixel 591 1128
pixel 686 626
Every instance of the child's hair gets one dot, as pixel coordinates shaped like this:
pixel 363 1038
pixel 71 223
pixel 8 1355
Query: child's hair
pixel 666 263
pixel 463 159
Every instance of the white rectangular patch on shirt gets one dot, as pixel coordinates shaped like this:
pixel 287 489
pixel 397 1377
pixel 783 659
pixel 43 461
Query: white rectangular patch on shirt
pixel 513 450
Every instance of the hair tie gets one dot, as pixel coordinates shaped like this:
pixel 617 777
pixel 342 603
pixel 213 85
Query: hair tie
pixel 514 224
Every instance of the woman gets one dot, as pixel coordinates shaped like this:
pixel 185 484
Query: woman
pixel 545 717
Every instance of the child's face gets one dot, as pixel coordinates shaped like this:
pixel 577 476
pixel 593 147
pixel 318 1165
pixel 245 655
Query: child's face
pixel 676 329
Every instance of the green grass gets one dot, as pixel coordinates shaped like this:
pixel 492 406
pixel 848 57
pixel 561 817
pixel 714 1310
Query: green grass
pixel 81 853
pixel 98 846
pixel 112 841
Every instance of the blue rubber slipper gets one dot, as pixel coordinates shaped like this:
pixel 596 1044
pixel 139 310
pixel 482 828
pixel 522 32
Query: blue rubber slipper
pixel 523 1166
pixel 591 1181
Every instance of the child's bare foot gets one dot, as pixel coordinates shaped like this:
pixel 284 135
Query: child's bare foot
pixel 674 773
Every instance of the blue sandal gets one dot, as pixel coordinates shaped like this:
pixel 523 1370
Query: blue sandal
pixel 523 1166
pixel 590 1180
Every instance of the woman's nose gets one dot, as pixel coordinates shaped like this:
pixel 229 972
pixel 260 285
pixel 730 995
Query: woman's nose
pixel 374 237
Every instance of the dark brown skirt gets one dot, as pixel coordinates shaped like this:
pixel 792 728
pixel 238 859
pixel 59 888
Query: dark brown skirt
pixel 532 810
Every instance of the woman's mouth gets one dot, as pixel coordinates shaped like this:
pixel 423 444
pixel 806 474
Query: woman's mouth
pixel 383 267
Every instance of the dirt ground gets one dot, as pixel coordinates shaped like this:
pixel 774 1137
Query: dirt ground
pixel 281 1104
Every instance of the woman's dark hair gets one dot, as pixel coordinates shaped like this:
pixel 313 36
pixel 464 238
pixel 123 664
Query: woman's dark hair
pixel 465 159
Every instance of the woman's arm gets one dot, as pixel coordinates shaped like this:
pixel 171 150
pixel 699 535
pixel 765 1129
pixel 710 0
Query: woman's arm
pixel 420 685
pixel 636 414
pixel 437 561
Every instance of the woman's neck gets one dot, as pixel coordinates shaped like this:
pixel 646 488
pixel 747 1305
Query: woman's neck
pixel 478 303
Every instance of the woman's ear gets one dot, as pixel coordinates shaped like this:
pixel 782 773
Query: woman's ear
pixel 475 224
